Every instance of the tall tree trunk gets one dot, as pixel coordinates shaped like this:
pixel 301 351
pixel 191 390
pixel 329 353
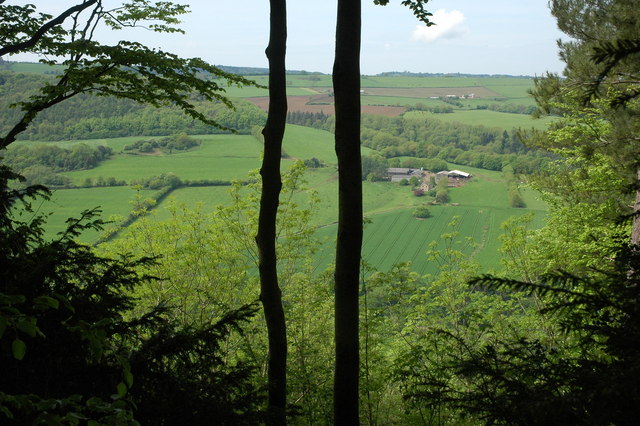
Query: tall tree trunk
pixel 635 233
pixel 346 86
pixel 270 294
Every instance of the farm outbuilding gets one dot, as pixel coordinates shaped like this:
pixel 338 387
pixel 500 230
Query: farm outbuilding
pixel 396 174
pixel 455 177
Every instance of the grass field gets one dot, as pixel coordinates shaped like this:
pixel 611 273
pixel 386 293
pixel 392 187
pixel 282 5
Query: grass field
pixel 400 101
pixel 65 203
pixel 393 234
pixel 224 157
pixel 486 118
pixel 33 67
pixel 304 142
pixel 397 236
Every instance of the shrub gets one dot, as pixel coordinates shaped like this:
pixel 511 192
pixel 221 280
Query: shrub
pixel 442 196
pixel 515 200
pixel 313 163
pixel 422 212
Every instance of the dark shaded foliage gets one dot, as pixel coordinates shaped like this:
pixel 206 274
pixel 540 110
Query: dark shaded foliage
pixel 181 377
pixel 594 378
pixel 67 350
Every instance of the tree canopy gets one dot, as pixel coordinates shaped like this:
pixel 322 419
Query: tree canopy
pixel 127 69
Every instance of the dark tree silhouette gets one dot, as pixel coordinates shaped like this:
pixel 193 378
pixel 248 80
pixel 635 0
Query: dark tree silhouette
pixel 270 293
pixel 346 86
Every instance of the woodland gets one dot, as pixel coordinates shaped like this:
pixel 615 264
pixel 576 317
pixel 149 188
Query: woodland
pixel 216 316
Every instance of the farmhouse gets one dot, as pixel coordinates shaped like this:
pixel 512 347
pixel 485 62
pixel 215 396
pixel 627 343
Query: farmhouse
pixel 396 174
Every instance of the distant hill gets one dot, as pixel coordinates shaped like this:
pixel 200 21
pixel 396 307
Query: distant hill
pixel 37 67
pixel 451 74
pixel 261 71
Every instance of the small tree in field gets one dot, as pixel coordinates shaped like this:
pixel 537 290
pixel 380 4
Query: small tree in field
pixel 422 212
pixel 442 196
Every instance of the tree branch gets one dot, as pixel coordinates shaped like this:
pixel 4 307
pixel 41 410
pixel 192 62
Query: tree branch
pixel 15 48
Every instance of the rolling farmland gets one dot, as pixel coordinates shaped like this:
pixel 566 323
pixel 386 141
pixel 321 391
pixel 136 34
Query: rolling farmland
pixel 393 235
pixel 390 96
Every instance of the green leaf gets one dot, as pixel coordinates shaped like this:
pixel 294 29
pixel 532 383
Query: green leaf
pixel 27 326
pixel 46 301
pixel 122 390
pixel 128 378
pixel 77 415
pixel 11 299
pixel 18 348
pixel 4 410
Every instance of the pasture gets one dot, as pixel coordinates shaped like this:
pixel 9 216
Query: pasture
pixel 393 235
pixel 488 118
pixel 223 157
pixel 115 203
pixel 397 236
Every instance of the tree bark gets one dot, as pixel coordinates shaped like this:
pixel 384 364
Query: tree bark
pixel 346 85
pixel 635 232
pixel 270 294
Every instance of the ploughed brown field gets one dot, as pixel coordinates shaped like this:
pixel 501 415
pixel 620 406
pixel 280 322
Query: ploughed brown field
pixel 324 103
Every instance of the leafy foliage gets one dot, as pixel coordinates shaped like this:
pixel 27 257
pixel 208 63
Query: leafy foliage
pixel 591 379
pixel 73 351
pixel 422 212
pixel 127 69
pixel 90 117
pixel 416 6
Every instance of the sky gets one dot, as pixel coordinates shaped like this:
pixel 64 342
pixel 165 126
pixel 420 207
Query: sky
pixel 516 37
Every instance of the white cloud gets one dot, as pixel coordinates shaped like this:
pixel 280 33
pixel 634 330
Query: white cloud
pixel 448 25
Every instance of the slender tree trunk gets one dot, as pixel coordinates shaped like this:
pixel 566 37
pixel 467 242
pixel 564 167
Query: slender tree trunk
pixel 635 233
pixel 270 294
pixel 346 85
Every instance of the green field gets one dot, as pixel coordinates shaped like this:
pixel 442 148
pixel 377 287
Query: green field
pixel 33 67
pixel 399 101
pixel 393 235
pixel 223 157
pixel 486 118
pixel 397 236
pixel 65 203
